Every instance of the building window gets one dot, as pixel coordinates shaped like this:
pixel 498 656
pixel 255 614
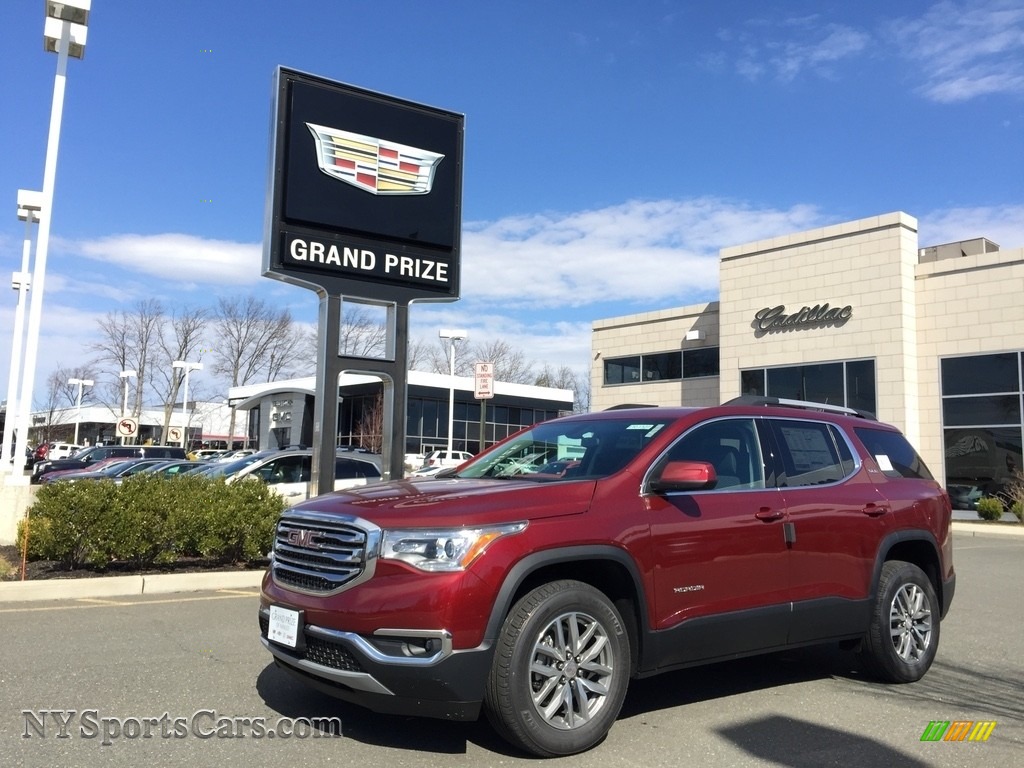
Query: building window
pixel 983 425
pixel 700 362
pixel 662 366
pixel 622 370
pixel 850 383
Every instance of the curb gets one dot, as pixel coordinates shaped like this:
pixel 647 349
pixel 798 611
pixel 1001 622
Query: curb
pixel 165 584
pixel 125 586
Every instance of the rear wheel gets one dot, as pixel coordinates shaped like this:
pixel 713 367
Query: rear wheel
pixel 560 670
pixel 904 634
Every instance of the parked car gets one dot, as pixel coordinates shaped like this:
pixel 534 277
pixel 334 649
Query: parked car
pixel 173 468
pixel 288 471
pixel 117 471
pixel 445 458
pixel 87 456
pixel 661 538
pixel 62 450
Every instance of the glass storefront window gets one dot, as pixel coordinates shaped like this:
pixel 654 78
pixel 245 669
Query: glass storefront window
pixel 622 370
pixel 662 367
pixel 850 383
pixel 700 362
pixel 980 374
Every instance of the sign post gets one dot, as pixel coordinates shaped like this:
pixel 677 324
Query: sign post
pixel 365 203
pixel 483 390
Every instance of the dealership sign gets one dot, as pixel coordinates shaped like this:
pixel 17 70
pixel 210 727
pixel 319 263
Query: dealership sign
pixel 365 193
pixel 775 318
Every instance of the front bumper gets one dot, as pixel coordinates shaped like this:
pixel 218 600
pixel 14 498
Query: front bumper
pixel 374 673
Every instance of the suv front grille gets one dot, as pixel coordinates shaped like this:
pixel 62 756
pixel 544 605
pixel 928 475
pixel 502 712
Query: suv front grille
pixel 315 553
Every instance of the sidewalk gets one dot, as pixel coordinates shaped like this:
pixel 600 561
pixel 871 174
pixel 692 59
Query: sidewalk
pixel 122 586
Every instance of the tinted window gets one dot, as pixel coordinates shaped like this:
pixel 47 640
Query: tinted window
pixel 895 456
pixel 700 362
pixel 667 365
pixel 345 469
pixel 287 469
pixel 980 374
pixel 625 370
pixel 810 454
pixel 730 446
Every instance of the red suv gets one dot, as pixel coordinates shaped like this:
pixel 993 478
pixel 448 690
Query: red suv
pixel 586 551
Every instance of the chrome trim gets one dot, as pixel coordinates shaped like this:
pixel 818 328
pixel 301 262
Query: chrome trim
pixel 348 556
pixel 365 647
pixel 360 681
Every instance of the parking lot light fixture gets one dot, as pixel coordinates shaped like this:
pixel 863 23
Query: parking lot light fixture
pixel 64 33
pixel 82 384
pixel 188 367
pixel 29 203
pixel 454 336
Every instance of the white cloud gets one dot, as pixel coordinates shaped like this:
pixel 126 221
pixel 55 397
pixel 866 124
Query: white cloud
pixel 185 259
pixel 966 49
pixel 1003 225
pixel 637 251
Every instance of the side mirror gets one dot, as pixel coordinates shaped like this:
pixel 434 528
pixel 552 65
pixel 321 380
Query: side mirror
pixel 685 476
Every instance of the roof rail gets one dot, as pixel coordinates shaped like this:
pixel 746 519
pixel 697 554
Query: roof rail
pixel 624 406
pixel 808 405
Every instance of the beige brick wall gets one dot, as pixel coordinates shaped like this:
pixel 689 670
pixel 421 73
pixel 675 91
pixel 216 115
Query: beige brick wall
pixel 648 333
pixel 905 317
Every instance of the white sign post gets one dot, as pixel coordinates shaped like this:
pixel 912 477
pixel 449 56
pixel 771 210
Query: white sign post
pixel 483 390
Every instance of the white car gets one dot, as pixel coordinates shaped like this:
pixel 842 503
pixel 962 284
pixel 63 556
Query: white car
pixel 62 450
pixel 445 459
pixel 288 471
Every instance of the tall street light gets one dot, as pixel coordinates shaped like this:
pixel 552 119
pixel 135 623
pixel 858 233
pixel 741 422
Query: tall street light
pixel 454 336
pixel 64 33
pixel 29 204
pixel 184 403
pixel 82 384
pixel 125 375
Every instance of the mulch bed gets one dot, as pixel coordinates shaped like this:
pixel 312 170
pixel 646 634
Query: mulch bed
pixel 49 569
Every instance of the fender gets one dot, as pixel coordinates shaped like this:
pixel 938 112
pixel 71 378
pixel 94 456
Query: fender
pixel 519 572
pixel 943 588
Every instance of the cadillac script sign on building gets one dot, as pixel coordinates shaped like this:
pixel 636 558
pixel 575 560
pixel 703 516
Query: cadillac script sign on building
pixel 365 193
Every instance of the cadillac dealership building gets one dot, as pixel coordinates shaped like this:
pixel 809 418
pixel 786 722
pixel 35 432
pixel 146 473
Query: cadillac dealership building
pixel 929 339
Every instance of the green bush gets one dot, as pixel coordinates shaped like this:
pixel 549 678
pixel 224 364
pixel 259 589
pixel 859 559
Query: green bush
pixel 150 519
pixel 1017 508
pixel 990 508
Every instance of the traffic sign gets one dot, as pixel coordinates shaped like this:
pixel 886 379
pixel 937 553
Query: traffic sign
pixel 127 427
pixel 483 381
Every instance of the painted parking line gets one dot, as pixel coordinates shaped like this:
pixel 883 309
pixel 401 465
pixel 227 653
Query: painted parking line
pixel 85 602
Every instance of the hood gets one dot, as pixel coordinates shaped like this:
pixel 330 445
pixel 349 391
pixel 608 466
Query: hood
pixel 464 502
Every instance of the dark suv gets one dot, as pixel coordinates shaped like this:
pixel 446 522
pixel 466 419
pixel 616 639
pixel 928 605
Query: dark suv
pixel 586 551
pixel 88 456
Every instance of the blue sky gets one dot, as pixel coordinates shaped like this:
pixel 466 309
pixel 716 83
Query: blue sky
pixel 611 148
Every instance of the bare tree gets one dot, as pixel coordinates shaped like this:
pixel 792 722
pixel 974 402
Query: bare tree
pixel 510 363
pixel 566 378
pixel 127 342
pixel 361 334
pixel 435 358
pixel 251 336
pixel 180 341
pixel 62 396
pixel 370 430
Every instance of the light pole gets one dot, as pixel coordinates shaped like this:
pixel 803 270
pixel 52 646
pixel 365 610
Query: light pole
pixel 125 375
pixel 64 33
pixel 82 384
pixel 29 204
pixel 184 403
pixel 454 336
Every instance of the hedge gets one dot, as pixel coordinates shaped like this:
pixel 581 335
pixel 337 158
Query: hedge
pixel 149 519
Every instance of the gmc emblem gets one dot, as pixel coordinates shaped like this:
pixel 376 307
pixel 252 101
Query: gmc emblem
pixel 301 538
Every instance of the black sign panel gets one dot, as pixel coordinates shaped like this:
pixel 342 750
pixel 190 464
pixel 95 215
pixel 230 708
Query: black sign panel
pixel 365 195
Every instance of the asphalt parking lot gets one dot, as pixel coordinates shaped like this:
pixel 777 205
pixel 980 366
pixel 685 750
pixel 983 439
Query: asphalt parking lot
pixel 182 680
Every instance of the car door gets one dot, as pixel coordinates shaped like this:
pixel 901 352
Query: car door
pixel 836 518
pixel 287 476
pixel 723 576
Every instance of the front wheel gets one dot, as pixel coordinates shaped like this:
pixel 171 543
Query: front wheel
pixel 560 671
pixel 904 634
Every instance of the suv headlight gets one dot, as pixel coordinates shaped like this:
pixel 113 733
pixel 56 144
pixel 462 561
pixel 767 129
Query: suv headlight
pixel 442 549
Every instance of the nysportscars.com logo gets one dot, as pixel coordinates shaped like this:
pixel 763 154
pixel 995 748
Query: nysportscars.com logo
pixel 958 730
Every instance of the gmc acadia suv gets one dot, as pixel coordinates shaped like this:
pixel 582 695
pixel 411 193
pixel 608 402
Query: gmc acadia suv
pixel 589 550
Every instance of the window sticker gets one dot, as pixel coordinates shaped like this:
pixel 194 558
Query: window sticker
pixel 884 463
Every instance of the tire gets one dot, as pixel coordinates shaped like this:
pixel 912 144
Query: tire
pixel 560 672
pixel 904 633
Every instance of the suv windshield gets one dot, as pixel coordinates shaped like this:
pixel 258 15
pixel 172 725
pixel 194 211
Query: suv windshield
pixel 567 450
